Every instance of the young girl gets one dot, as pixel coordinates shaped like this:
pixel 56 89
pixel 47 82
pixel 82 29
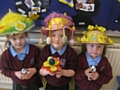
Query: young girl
pixel 20 60
pixel 59 28
pixel 94 69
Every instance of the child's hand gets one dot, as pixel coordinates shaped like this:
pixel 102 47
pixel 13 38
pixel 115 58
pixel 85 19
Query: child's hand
pixel 44 72
pixel 91 76
pixel 19 75
pixel 88 74
pixel 31 72
pixel 59 73
pixel 95 75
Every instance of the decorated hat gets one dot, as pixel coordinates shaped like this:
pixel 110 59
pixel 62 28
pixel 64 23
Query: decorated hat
pixel 96 34
pixel 13 23
pixel 56 21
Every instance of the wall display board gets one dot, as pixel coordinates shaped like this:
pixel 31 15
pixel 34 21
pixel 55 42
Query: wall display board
pixel 84 12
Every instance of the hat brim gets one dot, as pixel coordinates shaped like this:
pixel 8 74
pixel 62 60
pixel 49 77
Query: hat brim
pixel 12 30
pixel 96 43
pixel 45 31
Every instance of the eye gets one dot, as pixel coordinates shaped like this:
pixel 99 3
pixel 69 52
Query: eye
pixel 13 39
pixel 21 37
pixel 91 45
pixel 99 46
pixel 53 35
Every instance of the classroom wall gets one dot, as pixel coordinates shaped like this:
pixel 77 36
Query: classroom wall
pixel 108 12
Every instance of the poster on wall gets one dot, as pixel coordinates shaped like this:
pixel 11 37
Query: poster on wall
pixel 85 9
pixel 32 8
pixel 85 5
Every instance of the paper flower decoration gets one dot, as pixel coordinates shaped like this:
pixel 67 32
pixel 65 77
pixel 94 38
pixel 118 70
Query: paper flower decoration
pixel 52 64
pixel 96 34
pixel 102 29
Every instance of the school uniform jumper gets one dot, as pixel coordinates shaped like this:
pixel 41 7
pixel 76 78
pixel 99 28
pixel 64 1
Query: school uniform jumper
pixel 103 68
pixel 10 64
pixel 68 58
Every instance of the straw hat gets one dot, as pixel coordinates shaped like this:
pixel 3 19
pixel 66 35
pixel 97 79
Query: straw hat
pixel 96 35
pixel 13 23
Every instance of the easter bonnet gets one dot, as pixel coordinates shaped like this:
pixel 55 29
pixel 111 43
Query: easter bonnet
pixel 96 34
pixel 58 21
pixel 13 23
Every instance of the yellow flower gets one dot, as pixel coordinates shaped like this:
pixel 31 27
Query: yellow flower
pixel 101 28
pixel 88 37
pixel 78 39
pixel 110 41
pixel 101 38
pixel 90 27
pixel 83 39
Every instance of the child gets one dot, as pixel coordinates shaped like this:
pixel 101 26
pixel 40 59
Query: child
pixel 94 69
pixel 20 60
pixel 59 28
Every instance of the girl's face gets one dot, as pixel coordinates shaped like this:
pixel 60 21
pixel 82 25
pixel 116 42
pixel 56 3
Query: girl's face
pixel 95 50
pixel 18 40
pixel 56 39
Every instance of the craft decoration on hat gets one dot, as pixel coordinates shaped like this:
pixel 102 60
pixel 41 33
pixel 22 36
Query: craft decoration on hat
pixel 96 35
pixel 52 64
pixel 68 2
pixel 58 21
pixel 13 23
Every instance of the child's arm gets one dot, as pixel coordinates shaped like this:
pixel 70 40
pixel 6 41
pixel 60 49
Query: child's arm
pixel 63 72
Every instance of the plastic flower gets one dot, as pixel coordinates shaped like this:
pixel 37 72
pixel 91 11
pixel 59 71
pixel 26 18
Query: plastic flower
pixel 88 38
pixel 110 41
pixel 96 27
pixel 83 39
pixel 90 27
pixel 52 64
pixel 78 39
pixel 101 28
pixel 101 38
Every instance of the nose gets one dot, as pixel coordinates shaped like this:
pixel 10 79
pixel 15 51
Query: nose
pixel 18 40
pixel 94 48
pixel 57 38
